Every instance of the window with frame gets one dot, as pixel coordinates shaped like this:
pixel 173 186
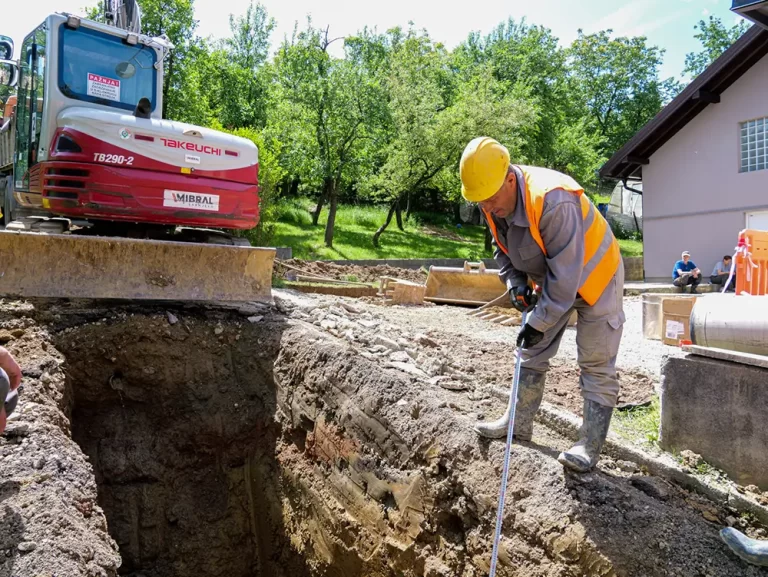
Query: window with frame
pixel 754 145
pixel 101 68
pixel 29 106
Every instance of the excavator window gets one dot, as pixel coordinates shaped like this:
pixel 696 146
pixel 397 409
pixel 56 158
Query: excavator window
pixel 100 68
pixel 29 107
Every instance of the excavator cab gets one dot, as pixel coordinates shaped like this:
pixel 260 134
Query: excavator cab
pixel 64 64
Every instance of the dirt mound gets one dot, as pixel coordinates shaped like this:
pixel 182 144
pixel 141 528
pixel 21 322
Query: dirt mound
pixel 366 274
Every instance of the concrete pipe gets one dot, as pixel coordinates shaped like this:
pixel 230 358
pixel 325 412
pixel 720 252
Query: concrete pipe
pixel 736 323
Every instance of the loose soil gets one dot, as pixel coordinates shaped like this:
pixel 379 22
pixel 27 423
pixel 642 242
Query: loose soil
pixel 317 438
pixel 366 274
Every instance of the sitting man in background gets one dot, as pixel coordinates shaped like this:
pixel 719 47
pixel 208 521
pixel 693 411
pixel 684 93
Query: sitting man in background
pixel 720 274
pixel 686 273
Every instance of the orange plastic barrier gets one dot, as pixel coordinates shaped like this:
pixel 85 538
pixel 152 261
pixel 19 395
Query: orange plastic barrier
pixel 752 262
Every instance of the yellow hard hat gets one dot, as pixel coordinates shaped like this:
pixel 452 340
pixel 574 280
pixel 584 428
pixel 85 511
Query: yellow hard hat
pixel 483 168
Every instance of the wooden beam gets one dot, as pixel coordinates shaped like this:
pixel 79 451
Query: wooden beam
pixel 706 96
pixel 632 159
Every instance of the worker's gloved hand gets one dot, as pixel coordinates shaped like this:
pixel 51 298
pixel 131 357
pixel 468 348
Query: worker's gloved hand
pixel 523 297
pixel 529 337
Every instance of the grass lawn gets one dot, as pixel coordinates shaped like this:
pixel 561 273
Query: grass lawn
pixel 353 234
pixel 631 247
pixel 355 226
pixel 639 424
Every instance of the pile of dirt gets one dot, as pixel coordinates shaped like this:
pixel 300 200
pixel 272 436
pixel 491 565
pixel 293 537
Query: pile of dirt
pixel 357 273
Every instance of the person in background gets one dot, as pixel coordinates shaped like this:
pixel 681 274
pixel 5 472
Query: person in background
pixel 686 273
pixel 720 274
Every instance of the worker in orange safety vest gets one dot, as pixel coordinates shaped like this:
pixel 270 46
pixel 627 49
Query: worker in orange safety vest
pixel 547 230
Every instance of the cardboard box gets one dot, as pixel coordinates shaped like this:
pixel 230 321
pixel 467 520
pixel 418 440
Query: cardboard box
pixel 653 317
pixel 676 323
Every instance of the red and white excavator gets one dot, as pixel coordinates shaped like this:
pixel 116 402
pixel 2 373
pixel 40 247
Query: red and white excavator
pixel 105 198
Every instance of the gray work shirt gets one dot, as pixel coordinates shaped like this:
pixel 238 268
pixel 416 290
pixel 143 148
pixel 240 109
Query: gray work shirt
pixel 559 272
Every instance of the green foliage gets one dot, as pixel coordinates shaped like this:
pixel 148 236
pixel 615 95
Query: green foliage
pixel 240 72
pixel 270 175
pixel 617 81
pixel 622 232
pixel 292 212
pixel 641 423
pixel 715 38
pixel 386 123
pixel 364 216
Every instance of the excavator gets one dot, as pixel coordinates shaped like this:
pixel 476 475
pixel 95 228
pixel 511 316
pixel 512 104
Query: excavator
pixel 104 198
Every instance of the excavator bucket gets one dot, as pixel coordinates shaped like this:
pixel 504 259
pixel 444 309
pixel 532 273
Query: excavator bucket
pixel 470 285
pixel 71 266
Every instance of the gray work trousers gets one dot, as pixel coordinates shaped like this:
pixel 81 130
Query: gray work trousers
pixel 598 334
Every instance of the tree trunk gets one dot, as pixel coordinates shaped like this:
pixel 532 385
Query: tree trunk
pixel 384 226
pixel 399 215
pixel 321 201
pixel 331 213
pixel 408 208
pixel 456 212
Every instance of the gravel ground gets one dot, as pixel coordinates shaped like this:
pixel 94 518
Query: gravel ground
pixel 636 353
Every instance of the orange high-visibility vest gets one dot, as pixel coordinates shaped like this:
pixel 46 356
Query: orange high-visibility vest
pixel 601 250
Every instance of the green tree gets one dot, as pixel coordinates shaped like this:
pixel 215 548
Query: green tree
pixel 175 19
pixel 322 105
pixel 529 61
pixel 242 80
pixel 435 114
pixel 715 38
pixel 617 81
pixel 186 70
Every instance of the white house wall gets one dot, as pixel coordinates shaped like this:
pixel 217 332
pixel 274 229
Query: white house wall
pixel 694 197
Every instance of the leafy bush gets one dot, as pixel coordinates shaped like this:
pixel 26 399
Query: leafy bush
pixel 621 232
pixel 270 175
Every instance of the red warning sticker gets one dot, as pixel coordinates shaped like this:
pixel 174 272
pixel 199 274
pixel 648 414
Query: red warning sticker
pixel 103 87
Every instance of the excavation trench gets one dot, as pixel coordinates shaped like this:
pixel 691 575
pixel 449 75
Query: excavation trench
pixel 179 425
pixel 225 447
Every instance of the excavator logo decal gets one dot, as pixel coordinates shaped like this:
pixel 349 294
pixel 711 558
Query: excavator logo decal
pixel 192 200
pixel 191 146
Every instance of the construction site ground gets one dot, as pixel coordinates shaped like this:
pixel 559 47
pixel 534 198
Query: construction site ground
pixel 317 436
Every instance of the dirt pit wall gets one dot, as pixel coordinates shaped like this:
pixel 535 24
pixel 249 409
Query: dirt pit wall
pixel 198 441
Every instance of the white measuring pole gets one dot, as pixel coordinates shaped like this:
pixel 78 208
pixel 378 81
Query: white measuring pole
pixel 507 452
